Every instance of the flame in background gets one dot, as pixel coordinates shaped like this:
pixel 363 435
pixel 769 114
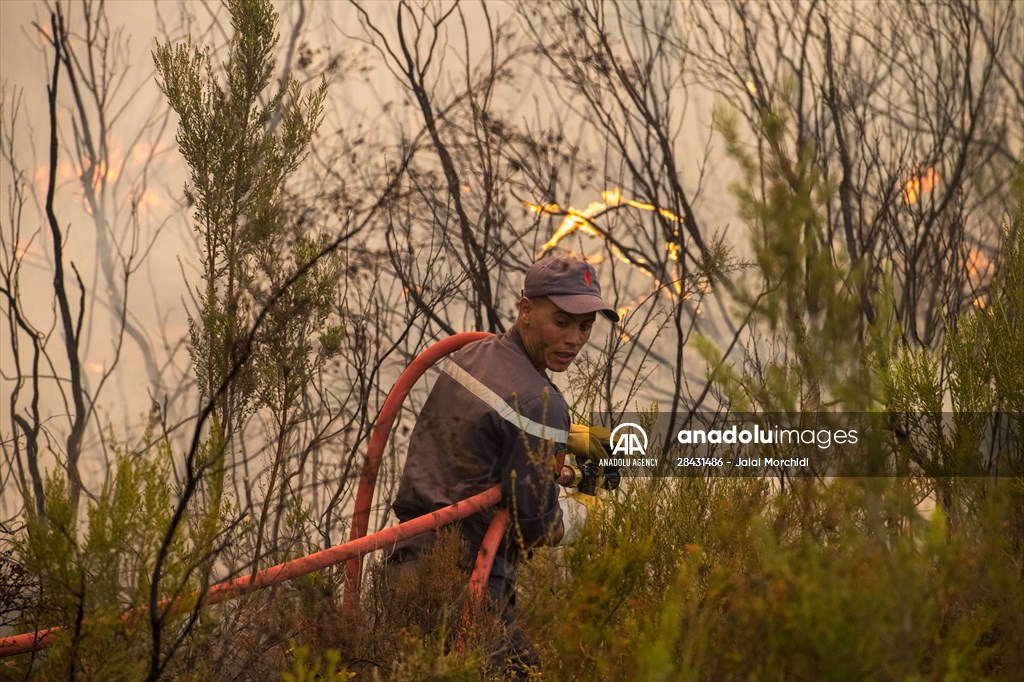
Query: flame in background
pixel 149 201
pixel 979 273
pixel 978 266
pixel 98 175
pixel 406 291
pixel 101 176
pixel 919 183
pixel 575 219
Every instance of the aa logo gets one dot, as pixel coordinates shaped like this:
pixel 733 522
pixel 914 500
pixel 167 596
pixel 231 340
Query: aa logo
pixel 628 439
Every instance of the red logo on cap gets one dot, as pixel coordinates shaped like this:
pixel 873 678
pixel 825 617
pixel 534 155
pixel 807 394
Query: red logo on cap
pixel 586 276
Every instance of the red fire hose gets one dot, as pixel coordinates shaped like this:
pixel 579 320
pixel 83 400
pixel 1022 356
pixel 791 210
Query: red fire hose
pixel 488 549
pixel 33 641
pixel 359 543
pixel 379 438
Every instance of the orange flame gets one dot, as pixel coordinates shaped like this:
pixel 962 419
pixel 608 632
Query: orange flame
pixel 580 219
pixel 542 208
pixel 673 251
pixel 977 265
pixel 150 200
pixel 919 183
pixel 417 288
pixel 576 219
pixel 99 174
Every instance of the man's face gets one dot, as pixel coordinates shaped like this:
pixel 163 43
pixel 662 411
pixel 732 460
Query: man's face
pixel 552 337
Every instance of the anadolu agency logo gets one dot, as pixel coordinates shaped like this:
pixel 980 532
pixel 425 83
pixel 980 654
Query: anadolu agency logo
pixel 628 444
pixel 625 440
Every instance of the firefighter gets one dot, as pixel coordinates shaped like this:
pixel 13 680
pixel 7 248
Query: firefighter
pixel 494 416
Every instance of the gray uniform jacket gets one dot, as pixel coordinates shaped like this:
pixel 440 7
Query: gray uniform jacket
pixel 491 417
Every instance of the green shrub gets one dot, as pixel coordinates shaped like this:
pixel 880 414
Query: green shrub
pixel 726 579
pixel 410 625
pixel 87 581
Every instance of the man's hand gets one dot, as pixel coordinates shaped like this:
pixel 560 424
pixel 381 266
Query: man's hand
pixel 588 442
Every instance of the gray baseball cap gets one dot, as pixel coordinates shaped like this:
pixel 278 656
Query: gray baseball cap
pixel 569 283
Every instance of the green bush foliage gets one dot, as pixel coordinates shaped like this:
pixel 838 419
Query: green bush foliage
pixel 93 584
pixel 716 579
pixel 414 625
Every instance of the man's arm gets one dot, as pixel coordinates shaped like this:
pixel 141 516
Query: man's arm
pixel 528 476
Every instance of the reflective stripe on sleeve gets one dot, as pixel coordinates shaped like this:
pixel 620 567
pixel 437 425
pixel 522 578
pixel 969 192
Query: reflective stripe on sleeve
pixel 494 401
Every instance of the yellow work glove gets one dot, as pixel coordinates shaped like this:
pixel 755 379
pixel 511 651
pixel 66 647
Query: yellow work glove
pixel 576 508
pixel 588 442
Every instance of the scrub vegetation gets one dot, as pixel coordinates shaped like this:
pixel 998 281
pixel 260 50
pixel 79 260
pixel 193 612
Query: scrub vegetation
pixel 874 263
